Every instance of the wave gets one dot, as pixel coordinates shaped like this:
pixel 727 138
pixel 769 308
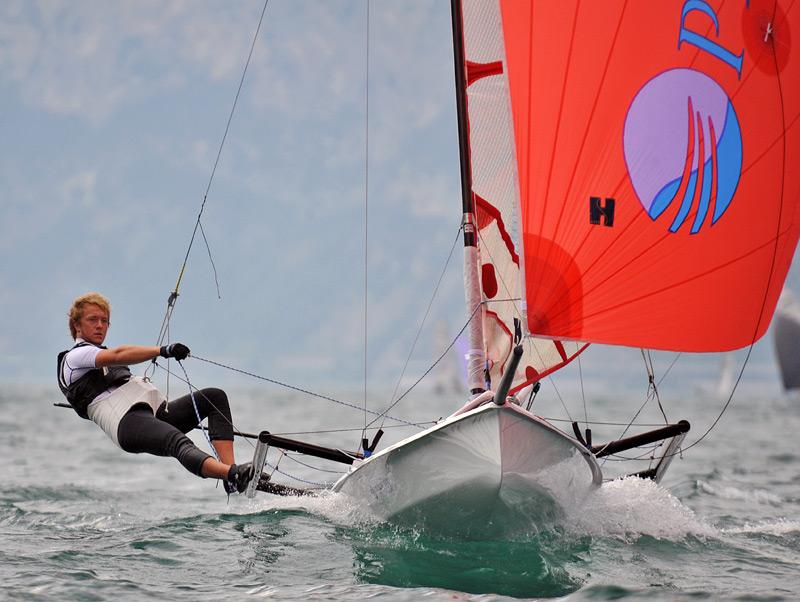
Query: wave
pixel 732 492
pixel 777 527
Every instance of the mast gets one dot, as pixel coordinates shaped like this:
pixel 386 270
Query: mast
pixel 476 357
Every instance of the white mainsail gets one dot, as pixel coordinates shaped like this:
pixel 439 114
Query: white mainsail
pixel 496 198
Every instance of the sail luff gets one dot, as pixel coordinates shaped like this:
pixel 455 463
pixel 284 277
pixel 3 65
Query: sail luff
pixel 491 151
pixel 476 358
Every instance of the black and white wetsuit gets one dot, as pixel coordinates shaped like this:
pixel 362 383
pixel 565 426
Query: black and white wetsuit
pixel 134 414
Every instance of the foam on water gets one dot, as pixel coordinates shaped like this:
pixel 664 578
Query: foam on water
pixel 336 508
pixel 624 508
pixel 632 507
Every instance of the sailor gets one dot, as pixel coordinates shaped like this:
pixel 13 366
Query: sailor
pixel 98 384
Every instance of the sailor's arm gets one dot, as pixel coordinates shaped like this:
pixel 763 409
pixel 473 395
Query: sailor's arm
pixel 125 355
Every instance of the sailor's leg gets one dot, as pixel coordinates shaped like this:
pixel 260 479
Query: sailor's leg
pixel 141 432
pixel 224 450
pixel 211 403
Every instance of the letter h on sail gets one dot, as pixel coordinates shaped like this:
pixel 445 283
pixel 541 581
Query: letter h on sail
pixel 597 210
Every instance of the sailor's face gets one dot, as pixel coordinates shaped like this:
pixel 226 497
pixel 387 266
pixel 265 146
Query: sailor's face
pixel 93 325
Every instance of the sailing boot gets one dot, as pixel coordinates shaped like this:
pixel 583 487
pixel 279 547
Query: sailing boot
pixel 239 476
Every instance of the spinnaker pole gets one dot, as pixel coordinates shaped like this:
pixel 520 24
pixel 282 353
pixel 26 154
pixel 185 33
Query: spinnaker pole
pixel 476 355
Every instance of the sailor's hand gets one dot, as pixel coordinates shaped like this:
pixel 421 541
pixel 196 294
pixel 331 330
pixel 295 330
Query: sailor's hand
pixel 177 350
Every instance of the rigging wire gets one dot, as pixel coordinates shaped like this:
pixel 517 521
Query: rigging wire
pixel 306 391
pixel 197 412
pixel 560 398
pixel 349 430
pixel 601 423
pixel 669 368
pixel 425 317
pixel 198 225
pixel 648 397
pixel 293 458
pixel 313 432
pixel 435 363
pixel 296 478
pixel 366 220
pixel 652 387
pixel 583 393
pixel 727 403
pixel 211 259
pixel 236 430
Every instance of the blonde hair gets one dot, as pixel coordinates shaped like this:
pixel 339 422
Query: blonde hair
pixel 76 310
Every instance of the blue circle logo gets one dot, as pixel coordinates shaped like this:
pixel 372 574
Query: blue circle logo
pixel 683 149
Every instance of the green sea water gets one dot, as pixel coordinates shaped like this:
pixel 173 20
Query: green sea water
pixel 81 520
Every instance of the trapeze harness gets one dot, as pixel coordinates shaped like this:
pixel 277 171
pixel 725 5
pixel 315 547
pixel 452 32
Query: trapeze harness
pixel 105 395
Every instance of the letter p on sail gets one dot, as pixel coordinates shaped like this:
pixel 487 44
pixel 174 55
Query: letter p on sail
pixel 703 43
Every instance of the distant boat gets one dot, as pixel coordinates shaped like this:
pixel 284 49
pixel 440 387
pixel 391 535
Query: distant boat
pixel 726 377
pixel 451 377
pixel 786 328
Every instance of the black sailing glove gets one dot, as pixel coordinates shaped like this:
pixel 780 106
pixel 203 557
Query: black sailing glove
pixel 177 350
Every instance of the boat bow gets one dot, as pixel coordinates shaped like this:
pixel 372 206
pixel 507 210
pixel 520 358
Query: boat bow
pixel 494 468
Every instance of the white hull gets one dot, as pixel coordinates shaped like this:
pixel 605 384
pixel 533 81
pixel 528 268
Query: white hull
pixel 492 470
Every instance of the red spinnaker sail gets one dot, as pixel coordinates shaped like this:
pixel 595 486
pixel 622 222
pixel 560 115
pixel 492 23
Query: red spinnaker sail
pixel 657 147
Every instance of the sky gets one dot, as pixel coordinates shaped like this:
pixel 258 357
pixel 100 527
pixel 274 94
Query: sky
pixel 112 116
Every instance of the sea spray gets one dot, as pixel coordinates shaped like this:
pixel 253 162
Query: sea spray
pixel 632 507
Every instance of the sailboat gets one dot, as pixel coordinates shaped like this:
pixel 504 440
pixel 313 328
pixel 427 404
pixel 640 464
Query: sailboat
pixel 450 377
pixel 786 327
pixel 628 178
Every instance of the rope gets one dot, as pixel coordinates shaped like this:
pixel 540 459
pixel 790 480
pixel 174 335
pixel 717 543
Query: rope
pixel 771 40
pixel 305 391
pixel 291 476
pixel 197 412
pixel 236 430
pixel 348 430
pixel 208 439
pixel 294 459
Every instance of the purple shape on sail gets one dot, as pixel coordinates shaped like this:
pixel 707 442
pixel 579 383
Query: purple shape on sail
pixel 669 111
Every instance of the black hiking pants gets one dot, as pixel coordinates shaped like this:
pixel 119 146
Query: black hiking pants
pixel 165 433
